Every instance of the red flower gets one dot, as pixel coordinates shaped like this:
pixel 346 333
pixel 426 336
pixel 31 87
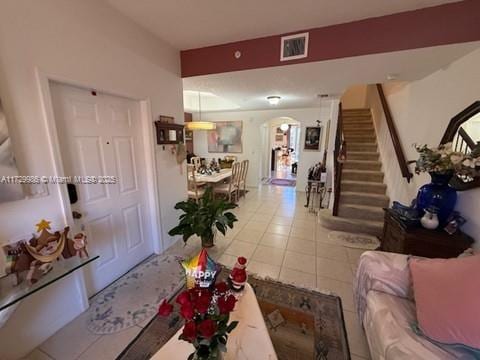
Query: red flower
pixel 187 311
pixel 202 303
pixel 165 308
pixel 226 304
pixel 207 328
pixel 221 287
pixel 189 331
pixel 183 298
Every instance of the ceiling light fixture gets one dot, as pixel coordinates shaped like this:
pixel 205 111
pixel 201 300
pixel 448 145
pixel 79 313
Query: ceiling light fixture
pixel 273 100
pixel 284 127
pixel 200 125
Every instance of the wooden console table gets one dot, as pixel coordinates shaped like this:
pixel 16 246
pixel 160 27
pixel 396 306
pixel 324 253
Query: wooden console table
pixel 418 241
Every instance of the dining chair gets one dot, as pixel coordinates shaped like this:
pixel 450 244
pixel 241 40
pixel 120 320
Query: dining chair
pixel 196 161
pixel 195 190
pixel 230 188
pixel 242 179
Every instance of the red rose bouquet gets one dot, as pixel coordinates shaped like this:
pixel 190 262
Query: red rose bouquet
pixel 207 315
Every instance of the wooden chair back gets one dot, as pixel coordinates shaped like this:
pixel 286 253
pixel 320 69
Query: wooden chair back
pixel 236 172
pixel 197 162
pixel 191 180
pixel 245 164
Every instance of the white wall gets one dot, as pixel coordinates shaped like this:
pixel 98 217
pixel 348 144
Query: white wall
pixel 354 97
pixel 253 138
pixel 86 43
pixel 422 110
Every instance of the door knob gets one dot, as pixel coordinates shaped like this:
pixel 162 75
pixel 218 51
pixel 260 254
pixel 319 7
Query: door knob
pixel 76 215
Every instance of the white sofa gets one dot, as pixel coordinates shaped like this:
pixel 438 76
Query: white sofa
pixel 384 303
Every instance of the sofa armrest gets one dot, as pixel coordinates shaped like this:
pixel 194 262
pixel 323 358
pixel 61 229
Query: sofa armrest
pixel 381 271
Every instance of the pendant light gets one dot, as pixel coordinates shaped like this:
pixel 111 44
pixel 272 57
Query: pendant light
pixel 200 125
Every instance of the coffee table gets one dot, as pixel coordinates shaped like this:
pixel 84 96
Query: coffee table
pixel 250 339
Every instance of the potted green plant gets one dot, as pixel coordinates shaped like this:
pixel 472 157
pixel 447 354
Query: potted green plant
pixel 204 218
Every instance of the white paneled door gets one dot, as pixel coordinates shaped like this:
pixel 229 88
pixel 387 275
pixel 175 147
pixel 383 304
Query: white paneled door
pixel 101 144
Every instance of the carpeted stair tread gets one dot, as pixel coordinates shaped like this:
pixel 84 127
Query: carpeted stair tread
pixel 363 186
pixel 350 225
pixel 363 175
pixel 347 128
pixel 361 147
pixel 358 132
pixel 352 122
pixel 362 198
pixel 360 139
pixel 363 155
pixel 374 165
pixel 353 144
pixel 362 212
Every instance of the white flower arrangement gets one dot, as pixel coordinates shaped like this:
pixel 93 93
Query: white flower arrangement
pixel 444 160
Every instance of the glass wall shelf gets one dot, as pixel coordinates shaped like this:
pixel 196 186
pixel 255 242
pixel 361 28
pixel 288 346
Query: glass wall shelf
pixel 11 294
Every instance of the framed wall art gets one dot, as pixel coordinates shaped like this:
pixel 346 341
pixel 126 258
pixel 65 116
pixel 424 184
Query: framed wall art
pixel 312 138
pixel 226 138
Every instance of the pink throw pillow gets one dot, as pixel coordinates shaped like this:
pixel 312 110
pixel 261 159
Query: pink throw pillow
pixel 447 296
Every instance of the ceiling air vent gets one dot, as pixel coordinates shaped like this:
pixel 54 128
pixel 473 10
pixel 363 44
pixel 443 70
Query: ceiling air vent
pixel 294 47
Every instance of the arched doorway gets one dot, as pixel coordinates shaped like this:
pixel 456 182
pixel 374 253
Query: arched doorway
pixel 281 150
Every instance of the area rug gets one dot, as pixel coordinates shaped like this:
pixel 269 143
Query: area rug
pixel 282 182
pixel 135 297
pixel 352 240
pixel 311 325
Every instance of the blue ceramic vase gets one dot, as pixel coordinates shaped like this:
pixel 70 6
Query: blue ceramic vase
pixel 437 196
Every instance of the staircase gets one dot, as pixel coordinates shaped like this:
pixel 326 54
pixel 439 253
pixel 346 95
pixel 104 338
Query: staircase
pixel 362 195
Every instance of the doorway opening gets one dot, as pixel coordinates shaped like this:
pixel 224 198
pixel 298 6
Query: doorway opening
pixel 284 151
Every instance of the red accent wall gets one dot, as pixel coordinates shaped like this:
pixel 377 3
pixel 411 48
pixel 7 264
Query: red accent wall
pixel 440 25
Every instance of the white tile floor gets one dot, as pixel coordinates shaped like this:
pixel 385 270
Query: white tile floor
pixel 281 239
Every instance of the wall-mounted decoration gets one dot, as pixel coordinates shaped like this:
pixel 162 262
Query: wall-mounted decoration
pixel 312 138
pixel 166 119
pixel 226 138
pixel 279 138
pixel 168 133
pixel 9 191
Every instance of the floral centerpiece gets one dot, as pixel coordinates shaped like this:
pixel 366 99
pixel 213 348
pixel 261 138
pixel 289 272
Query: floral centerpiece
pixel 207 315
pixel 444 160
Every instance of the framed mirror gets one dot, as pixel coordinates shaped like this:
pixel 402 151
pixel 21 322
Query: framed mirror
pixel 463 132
pixel 10 189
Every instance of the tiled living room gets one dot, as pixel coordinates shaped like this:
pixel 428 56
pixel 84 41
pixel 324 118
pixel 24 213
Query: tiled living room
pixel 222 180
pixel 280 238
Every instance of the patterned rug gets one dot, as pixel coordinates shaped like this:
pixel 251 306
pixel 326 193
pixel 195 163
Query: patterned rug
pixel 310 324
pixel 121 305
pixel 352 240
pixel 282 182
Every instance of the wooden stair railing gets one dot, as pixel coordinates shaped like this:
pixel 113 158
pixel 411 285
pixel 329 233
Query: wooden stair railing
pixel 463 142
pixel 339 156
pixel 397 145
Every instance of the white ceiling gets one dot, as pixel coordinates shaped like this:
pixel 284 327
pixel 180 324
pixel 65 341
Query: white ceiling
pixel 187 24
pixel 299 85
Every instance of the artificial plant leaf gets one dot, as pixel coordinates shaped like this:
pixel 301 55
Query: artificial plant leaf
pixel 221 227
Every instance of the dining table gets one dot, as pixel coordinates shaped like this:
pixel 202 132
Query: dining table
pixel 214 178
